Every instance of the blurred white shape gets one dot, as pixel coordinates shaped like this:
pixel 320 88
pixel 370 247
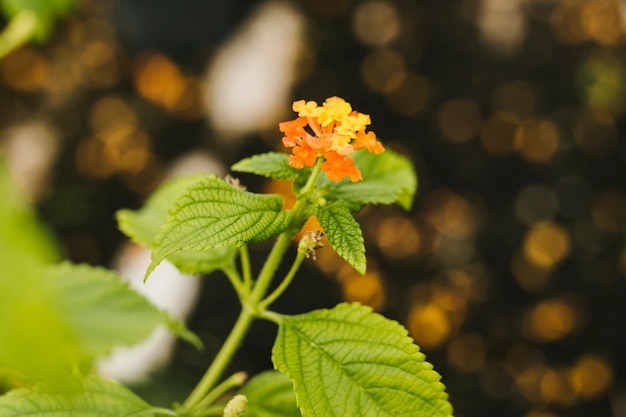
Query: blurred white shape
pixel 196 161
pixel 166 288
pixel 249 80
pixel 31 148
pixel 502 25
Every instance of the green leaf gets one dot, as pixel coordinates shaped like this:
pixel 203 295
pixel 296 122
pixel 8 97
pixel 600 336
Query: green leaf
pixel 350 361
pixel 344 233
pixel 21 235
pixel 213 214
pixel 144 224
pixel 44 14
pixel 271 165
pixel 93 396
pixel 26 316
pixel 57 319
pixel 102 311
pixel 388 178
pixel 205 261
pixel 270 394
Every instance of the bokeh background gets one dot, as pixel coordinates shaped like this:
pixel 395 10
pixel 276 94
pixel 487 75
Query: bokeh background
pixel 510 270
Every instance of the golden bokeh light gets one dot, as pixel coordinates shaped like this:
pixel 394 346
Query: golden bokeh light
pixel 376 23
pixel 467 352
pixel 397 237
pixel 25 69
pixel 366 289
pixel 537 140
pixel 159 80
pixel 546 244
pixel 591 376
pixel 100 59
pixel 120 149
pixel 111 112
pixel 459 119
pixel 529 276
pixel 498 133
pixel 473 280
pixel 555 388
pixel 603 21
pixel 449 214
pixel 428 325
pixel 577 21
pixel 566 22
pixel 609 211
pixel 410 97
pixel 552 319
pixel 383 70
pixel 529 382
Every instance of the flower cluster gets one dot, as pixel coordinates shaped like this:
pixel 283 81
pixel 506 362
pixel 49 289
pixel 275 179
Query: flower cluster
pixel 334 132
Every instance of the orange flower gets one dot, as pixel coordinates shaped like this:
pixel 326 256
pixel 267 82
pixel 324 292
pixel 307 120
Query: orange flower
pixel 334 132
pixel 302 155
pixel 337 167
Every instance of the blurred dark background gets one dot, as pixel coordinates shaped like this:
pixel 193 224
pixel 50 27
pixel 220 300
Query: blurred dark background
pixel 510 270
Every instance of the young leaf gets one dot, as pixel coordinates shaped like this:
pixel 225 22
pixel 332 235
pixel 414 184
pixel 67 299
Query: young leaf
pixel 101 310
pixel 205 261
pixel 270 394
pixel 27 318
pixel 91 396
pixel 388 178
pixel 344 233
pixel 143 225
pixel 212 214
pixel 271 165
pixel 350 361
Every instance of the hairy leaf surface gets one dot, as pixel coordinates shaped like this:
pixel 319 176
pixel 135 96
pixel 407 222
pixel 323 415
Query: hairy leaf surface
pixel 212 214
pixel 351 362
pixel 144 224
pixel 344 233
pixel 271 165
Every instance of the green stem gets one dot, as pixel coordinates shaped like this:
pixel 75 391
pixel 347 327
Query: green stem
pixel 235 280
pixel 215 410
pixel 281 245
pixel 251 301
pixel 221 360
pixel 245 267
pixel 159 411
pixel 263 305
pixel 233 381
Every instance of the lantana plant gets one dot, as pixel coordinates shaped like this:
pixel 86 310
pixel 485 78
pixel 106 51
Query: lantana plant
pixel 338 362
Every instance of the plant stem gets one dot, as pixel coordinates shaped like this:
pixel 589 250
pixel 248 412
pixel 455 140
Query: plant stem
pixel 221 360
pixel 251 300
pixel 245 267
pixel 235 280
pixel 159 411
pixel 233 381
pixel 284 284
